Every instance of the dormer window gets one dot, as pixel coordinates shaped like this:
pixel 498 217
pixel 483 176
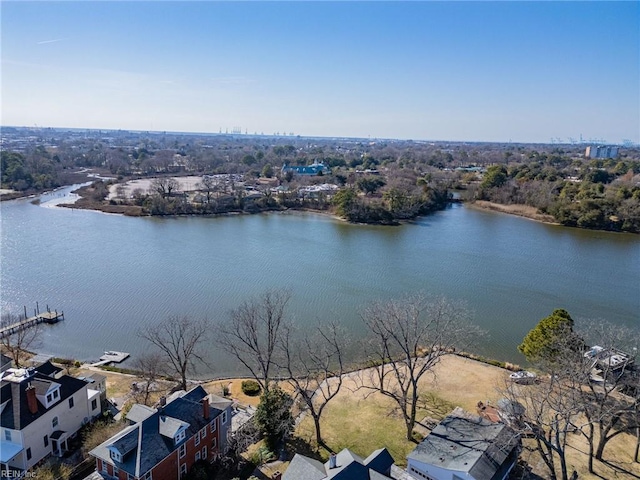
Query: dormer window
pixel 115 455
pixel 179 436
pixel 47 392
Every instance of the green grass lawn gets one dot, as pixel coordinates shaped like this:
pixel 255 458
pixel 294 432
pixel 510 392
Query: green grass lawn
pixel 364 425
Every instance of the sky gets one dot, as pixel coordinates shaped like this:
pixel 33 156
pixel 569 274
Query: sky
pixel 460 71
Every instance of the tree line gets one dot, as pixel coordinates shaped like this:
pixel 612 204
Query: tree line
pixel 597 194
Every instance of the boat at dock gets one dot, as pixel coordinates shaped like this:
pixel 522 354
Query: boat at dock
pixel 523 377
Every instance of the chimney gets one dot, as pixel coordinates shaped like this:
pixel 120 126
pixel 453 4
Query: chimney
pixel 276 475
pixel 32 401
pixel 15 403
pixel 205 408
pixel 163 401
pixel 332 460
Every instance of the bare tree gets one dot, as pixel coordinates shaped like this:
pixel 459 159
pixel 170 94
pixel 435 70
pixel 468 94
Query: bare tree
pixel 598 376
pixel 150 366
pixel 582 395
pixel 180 339
pixel 553 409
pixel 164 186
pixel 409 336
pixel 208 184
pixel 21 341
pixel 315 367
pixel 251 333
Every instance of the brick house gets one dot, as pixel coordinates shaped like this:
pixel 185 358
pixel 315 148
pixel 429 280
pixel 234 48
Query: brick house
pixel 40 410
pixel 163 443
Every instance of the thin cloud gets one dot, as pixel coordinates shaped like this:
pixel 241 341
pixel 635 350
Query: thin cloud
pixel 50 41
pixel 231 81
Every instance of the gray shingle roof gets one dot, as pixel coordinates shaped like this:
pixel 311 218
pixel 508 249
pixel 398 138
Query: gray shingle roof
pixel 349 466
pixel 68 386
pixel 138 413
pixel 42 386
pixel 169 426
pixel 467 443
pixel 127 442
pixel 304 468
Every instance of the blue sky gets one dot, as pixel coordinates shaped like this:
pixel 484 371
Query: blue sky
pixel 486 71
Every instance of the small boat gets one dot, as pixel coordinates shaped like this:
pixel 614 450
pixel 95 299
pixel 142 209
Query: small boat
pixel 523 377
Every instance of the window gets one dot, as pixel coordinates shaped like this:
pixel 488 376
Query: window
pixel 204 452
pixel 49 398
pixel 224 417
pixel 213 443
pixel 183 450
pixel 179 436
pixel 130 477
pixel 213 426
pixel 56 393
pixel 197 456
pixel 147 476
pixel 104 466
pixel 46 441
pixel 183 469
pixel 28 453
pixel 197 439
pixel 71 402
pixel 203 432
pixel 94 404
pixel 54 422
pixel 116 471
pixel 7 435
pixel 116 456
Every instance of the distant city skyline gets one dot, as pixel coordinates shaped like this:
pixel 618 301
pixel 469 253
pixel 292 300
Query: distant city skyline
pixel 457 71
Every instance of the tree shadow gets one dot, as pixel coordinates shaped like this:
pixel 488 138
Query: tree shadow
pixel 618 468
pixel 306 448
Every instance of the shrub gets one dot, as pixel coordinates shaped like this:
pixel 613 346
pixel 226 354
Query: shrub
pixel 250 387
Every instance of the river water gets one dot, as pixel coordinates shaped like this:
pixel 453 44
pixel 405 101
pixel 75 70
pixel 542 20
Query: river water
pixel 113 274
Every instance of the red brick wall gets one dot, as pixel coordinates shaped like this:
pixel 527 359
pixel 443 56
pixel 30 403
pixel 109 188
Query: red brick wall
pixel 167 469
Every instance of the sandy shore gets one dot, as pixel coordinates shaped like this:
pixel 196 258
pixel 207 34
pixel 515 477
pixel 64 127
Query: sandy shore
pixel 520 210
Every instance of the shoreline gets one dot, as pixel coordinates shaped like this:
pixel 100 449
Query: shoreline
pixel 518 210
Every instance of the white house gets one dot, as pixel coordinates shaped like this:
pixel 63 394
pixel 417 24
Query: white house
pixel 465 447
pixel 40 411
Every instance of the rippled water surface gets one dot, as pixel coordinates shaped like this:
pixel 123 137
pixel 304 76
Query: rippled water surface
pixel 112 274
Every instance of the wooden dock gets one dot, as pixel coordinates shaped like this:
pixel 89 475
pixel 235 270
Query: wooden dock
pixel 44 317
pixel 111 357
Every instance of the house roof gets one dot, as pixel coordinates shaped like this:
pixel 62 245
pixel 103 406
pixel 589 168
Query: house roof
pixel 49 369
pixel 138 413
pixel 43 386
pixel 349 466
pixel 304 468
pixel 97 377
pixel 169 426
pixel 306 169
pixel 467 443
pixel 380 460
pixel 5 362
pixel 16 394
pixel 153 433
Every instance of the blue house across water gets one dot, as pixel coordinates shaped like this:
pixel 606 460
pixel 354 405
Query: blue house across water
pixel 313 169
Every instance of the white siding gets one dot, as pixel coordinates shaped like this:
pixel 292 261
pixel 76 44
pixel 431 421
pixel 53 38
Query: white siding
pixel 69 420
